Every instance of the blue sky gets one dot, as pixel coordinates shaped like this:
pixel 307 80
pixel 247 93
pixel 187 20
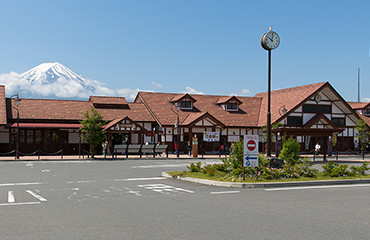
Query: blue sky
pixel 208 46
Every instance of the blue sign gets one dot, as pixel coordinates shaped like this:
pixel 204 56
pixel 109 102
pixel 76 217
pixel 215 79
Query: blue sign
pixel 251 161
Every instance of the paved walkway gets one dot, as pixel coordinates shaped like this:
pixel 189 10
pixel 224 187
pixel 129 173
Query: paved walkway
pixel 318 160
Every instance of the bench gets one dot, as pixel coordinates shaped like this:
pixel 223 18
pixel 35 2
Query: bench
pixel 119 148
pixel 139 149
pixel 159 149
pixel 147 149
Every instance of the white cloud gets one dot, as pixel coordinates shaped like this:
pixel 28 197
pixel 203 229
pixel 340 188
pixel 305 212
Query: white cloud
pixel 243 92
pixel 157 85
pixel 366 99
pixel 191 91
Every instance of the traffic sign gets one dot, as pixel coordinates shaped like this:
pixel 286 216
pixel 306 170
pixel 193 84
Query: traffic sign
pixel 251 145
pixel 250 161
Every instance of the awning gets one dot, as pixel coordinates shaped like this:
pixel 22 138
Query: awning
pixel 46 125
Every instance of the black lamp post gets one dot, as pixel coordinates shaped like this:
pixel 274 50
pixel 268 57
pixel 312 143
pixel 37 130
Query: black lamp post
pixel 179 134
pixel 17 102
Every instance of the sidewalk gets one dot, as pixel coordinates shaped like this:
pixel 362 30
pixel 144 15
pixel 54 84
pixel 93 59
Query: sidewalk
pixel 318 160
pixel 107 158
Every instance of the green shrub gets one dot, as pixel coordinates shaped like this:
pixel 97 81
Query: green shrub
pixel 361 170
pixel 237 155
pixel 209 169
pixel 272 174
pixel 334 169
pixel 195 167
pixel 290 151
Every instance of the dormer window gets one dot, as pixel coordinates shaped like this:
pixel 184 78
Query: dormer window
pixel 230 103
pixel 184 101
pixel 232 107
pixel 186 105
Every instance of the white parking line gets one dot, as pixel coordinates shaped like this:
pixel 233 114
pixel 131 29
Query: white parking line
pixel 20 184
pixel 14 204
pixel 317 187
pixel 11 198
pixel 141 179
pixel 225 192
pixel 36 196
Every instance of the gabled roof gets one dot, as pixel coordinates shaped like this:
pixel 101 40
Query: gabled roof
pixel 359 105
pixel 193 118
pixel 321 120
pixel 289 97
pixel 227 99
pixel 160 105
pixel 180 97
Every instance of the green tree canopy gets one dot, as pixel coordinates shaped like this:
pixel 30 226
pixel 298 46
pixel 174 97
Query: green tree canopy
pixel 363 133
pixel 92 129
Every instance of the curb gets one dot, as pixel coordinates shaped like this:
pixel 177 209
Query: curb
pixel 267 185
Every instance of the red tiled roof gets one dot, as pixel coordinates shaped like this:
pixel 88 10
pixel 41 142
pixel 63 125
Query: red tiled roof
pixel 223 100
pixel 179 97
pixel 160 105
pixel 46 125
pixel 3 116
pixel 108 100
pixel 46 109
pixel 289 97
pixel 358 105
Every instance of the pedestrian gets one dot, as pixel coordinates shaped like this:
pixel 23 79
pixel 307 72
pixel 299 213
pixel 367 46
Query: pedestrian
pixel 189 148
pixel 317 148
pixel 105 145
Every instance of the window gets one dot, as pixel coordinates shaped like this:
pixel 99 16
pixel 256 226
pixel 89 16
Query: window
pixel 232 106
pixel 295 121
pixel 309 108
pixel 367 111
pixel 21 136
pixel 324 109
pixel 38 137
pixel 29 136
pixel 312 108
pixel 186 104
pixel 63 137
pixel 340 122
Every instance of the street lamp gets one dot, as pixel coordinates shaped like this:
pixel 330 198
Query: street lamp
pixel 17 102
pixel 179 134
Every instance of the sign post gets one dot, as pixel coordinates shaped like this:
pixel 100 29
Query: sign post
pixel 250 158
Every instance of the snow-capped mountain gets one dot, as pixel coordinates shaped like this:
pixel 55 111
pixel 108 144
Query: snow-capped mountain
pixel 51 73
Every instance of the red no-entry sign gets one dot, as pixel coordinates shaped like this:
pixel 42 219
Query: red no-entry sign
pixel 251 145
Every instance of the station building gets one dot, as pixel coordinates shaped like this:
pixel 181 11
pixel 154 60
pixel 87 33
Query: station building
pixel 314 113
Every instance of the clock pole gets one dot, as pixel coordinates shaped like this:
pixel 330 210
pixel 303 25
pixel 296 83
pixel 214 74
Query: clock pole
pixel 269 42
pixel 269 106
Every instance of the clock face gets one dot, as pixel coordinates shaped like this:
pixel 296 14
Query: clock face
pixel 271 40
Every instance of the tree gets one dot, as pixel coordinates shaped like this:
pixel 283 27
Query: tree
pixel 290 151
pixel 363 134
pixel 93 129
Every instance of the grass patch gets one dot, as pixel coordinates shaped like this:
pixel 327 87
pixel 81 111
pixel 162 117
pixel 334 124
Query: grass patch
pixel 219 176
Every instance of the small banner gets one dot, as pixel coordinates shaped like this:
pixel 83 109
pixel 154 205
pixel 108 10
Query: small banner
pixel 211 136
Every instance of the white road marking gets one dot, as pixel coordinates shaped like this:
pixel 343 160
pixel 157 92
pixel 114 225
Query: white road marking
pixel 36 196
pixel 21 184
pixel 162 166
pixel 164 188
pixel 225 192
pixel 317 187
pixel 11 198
pixel 14 204
pixel 140 179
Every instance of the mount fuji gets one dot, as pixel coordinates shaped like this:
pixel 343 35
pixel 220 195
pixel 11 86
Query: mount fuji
pixel 54 80
pixel 48 74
